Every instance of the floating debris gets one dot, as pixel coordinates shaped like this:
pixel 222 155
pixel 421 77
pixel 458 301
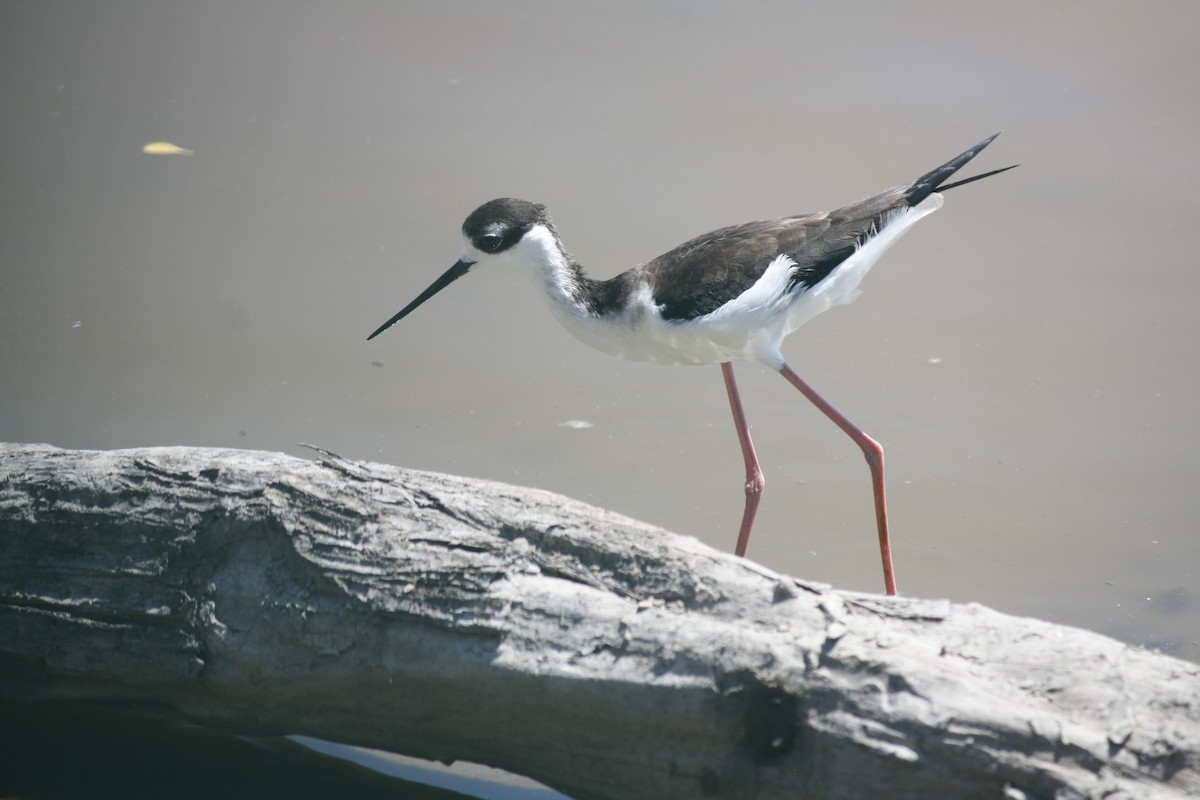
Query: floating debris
pixel 575 424
pixel 166 149
pixel 77 323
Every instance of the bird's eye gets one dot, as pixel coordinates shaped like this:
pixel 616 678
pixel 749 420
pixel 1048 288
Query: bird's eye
pixel 489 242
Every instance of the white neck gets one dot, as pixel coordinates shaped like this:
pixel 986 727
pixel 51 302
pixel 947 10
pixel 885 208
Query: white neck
pixel 540 255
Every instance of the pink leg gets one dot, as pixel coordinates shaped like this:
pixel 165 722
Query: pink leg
pixel 754 476
pixel 874 453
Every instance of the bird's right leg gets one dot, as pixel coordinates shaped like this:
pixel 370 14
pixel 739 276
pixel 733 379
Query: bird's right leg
pixel 754 477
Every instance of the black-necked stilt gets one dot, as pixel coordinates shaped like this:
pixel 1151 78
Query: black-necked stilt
pixel 729 295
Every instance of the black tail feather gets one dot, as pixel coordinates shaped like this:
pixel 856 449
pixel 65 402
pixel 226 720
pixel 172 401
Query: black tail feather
pixel 964 181
pixel 933 181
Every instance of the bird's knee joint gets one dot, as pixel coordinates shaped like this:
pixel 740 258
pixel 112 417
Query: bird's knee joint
pixel 873 452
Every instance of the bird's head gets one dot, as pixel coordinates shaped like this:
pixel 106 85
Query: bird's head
pixel 499 231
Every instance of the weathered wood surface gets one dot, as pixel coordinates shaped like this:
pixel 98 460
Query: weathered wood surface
pixel 452 618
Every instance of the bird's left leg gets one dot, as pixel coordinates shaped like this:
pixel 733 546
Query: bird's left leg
pixel 873 451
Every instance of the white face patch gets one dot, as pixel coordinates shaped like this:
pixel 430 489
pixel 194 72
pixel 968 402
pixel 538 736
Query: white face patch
pixel 469 253
pixel 539 255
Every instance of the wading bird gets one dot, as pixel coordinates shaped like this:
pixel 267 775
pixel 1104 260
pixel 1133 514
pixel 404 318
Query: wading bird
pixel 729 295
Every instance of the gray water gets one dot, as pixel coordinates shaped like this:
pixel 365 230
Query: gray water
pixel 1027 355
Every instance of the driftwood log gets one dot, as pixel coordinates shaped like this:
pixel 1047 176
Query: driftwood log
pixel 451 618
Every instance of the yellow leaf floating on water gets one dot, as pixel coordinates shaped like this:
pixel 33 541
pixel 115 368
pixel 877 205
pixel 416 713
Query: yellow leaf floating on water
pixel 166 149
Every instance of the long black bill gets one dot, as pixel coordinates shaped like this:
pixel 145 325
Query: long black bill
pixel 448 277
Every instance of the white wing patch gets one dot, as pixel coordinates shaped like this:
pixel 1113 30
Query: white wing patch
pixel 841 286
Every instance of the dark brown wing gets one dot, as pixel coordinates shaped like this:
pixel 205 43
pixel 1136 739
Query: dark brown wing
pixel 701 275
